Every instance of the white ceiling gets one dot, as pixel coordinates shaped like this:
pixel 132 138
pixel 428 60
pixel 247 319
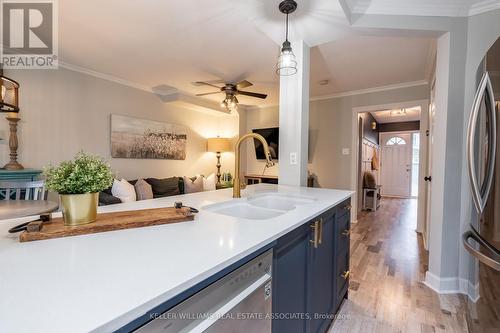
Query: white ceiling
pixel 396 116
pixel 422 7
pixel 362 62
pixel 173 43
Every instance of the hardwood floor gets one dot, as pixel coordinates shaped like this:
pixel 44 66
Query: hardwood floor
pixel 388 265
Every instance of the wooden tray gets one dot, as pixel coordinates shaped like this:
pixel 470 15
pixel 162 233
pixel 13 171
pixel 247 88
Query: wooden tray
pixel 108 222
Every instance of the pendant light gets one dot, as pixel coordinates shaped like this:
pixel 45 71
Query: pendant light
pixel 286 65
pixel 9 94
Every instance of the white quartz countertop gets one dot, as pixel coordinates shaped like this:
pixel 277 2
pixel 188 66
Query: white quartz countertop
pixel 101 282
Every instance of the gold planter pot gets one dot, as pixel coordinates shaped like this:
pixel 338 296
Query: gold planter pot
pixel 79 209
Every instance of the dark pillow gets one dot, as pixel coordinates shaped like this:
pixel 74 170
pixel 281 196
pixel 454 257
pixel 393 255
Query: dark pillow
pixel 164 187
pixel 107 191
pixel 107 199
pixel 181 186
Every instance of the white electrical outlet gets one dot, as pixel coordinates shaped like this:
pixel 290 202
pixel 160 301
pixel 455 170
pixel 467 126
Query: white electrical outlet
pixel 346 151
pixel 293 158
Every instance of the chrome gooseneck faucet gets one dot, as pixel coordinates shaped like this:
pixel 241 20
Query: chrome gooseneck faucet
pixel 238 184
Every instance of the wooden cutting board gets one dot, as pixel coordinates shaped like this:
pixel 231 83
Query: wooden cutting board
pixel 109 222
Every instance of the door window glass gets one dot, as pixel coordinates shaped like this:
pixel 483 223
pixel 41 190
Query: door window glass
pixel 395 141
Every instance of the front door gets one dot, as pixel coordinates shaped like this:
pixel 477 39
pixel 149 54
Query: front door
pixel 396 164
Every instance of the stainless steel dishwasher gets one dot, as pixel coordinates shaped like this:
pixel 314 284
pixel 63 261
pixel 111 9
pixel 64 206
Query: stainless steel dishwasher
pixel 238 302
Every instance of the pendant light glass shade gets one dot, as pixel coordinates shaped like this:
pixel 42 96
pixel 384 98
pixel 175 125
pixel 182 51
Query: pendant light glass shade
pixel 286 65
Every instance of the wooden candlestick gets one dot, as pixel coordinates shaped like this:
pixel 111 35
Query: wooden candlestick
pixel 13 145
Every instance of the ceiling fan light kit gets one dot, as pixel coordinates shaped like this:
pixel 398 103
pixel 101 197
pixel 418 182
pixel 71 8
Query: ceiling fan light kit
pixel 287 64
pixel 230 102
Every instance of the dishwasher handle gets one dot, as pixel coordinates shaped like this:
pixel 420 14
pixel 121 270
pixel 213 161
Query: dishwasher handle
pixel 224 309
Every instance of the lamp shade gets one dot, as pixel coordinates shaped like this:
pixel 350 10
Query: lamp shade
pixel 9 98
pixel 218 145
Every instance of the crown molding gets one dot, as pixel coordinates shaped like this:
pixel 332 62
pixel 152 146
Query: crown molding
pixel 371 90
pixel 484 6
pixel 352 93
pixel 396 8
pixel 174 93
pixel 414 9
pixel 166 94
pixel 83 70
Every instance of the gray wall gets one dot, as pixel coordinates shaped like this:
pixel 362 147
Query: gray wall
pixel 63 112
pixel 330 130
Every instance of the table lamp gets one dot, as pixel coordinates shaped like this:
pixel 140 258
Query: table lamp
pixel 218 146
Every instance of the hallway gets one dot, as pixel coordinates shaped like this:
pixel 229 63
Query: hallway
pixel 387 265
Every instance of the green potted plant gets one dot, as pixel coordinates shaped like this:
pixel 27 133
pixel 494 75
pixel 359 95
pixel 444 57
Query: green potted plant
pixel 78 183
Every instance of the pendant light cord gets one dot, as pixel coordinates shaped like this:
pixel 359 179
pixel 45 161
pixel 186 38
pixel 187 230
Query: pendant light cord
pixel 286 28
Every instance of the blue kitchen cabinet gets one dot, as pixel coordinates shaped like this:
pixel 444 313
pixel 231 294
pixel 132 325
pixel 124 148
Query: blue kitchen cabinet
pixel 321 281
pixel 290 274
pixel 310 273
pixel 342 244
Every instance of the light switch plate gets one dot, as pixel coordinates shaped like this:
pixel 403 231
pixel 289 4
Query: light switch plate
pixel 293 158
pixel 346 151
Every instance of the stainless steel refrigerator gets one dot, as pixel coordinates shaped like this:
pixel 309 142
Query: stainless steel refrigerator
pixel 482 240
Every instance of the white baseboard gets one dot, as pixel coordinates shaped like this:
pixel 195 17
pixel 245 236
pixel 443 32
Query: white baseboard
pixel 452 285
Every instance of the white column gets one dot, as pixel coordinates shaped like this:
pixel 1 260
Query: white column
pixel 294 120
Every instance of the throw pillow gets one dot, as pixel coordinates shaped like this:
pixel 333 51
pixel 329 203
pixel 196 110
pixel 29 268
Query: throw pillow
pixel 108 199
pixel 193 186
pixel 209 183
pixel 164 187
pixel 123 190
pixel 143 190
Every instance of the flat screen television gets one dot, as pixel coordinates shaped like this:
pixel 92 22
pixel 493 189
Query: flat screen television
pixel 272 136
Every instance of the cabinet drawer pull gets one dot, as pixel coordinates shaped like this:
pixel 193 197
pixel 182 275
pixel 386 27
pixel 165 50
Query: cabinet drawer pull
pixel 315 241
pixel 345 275
pixel 320 231
pixel 347 207
pixel 346 232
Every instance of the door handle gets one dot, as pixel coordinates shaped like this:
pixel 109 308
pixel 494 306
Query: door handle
pixel 345 275
pixel 480 256
pixel 480 191
pixel 315 241
pixel 346 232
pixel 428 179
pixel 347 207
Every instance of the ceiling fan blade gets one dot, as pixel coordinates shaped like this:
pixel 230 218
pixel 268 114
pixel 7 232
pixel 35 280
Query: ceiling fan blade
pixel 199 83
pixel 243 84
pixel 252 94
pixel 209 93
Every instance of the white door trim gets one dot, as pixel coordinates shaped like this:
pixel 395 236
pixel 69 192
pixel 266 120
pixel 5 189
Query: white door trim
pixel 424 107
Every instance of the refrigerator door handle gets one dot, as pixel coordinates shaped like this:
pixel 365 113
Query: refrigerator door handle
pixel 480 192
pixel 480 256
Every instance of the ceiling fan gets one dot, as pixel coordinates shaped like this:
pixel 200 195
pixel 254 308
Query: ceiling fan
pixel 230 102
